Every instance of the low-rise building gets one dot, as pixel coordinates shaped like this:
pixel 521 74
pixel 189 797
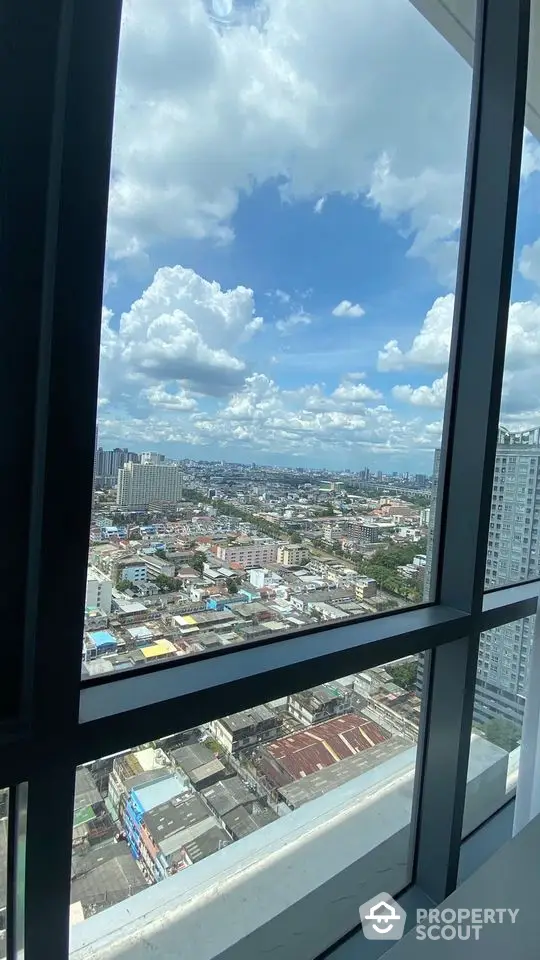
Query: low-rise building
pixel 319 703
pixel 292 555
pixel 365 587
pixel 255 553
pixel 246 729
pixel 98 590
pixel 177 833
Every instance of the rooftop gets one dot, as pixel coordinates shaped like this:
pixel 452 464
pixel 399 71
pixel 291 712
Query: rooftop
pixel 226 795
pixel 241 823
pixel 175 815
pixel 323 744
pixel 317 784
pixel 248 718
pixel 160 792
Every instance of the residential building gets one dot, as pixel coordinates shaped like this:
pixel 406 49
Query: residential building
pixel 255 553
pixel 292 555
pixel 140 484
pixel 368 531
pixel 177 833
pixel 157 566
pixel 154 458
pixel 246 729
pixel 98 590
pixel 365 587
pixel 320 703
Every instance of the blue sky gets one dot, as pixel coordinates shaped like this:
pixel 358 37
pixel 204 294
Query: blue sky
pixel 283 228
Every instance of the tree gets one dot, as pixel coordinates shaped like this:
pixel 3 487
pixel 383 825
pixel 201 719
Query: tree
pixel 404 674
pixel 502 732
pixel 232 585
pixel 296 538
pixel 123 585
pixel 166 584
pixel 160 553
pixel 197 562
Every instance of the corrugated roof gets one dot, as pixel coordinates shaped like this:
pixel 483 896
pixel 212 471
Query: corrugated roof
pixel 325 743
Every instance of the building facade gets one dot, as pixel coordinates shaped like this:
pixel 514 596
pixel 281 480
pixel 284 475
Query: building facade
pixel 254 554
pixel 292 555
pixel 140 484
pixel 98 590
pixel 512 556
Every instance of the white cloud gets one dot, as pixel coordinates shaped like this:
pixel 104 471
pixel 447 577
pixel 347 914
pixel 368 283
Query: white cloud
pixel 158 396
pixel 423 396
pixel 318 208
pixel 430 347
pixel 347 309
pixel 204 115
pixel 184 332
pixel 529 262
pixel 287 327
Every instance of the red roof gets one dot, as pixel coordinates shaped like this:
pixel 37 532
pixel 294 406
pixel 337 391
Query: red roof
pixel 323 744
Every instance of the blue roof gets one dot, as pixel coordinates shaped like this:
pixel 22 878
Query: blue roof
pixel 160 792
pixel 102 638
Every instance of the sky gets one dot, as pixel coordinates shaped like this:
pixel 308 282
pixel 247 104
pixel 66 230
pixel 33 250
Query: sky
pixel 285 201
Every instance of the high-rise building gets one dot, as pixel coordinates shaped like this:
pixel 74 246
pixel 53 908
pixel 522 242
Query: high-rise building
pixel 512 556
pixel 140 484
pixel 154 458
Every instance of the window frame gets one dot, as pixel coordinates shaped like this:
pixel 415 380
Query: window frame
pixel 62 110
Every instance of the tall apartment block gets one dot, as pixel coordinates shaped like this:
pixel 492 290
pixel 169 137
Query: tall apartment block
pixel 512 556
pixel 140 484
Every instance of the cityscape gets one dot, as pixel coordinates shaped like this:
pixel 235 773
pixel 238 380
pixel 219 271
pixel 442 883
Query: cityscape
pixel 193 556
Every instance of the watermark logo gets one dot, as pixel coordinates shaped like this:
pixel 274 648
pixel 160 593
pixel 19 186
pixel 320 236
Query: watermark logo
pixel 382 918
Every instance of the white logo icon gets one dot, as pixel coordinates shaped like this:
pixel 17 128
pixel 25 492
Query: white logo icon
pixel 382 918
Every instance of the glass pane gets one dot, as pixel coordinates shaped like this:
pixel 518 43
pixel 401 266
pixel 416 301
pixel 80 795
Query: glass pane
pixel 307 786
pixel 277 313
pixel 4 797
pixel 512 554
pixel 500 697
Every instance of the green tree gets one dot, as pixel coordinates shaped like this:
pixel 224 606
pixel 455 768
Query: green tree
pixel 232 585
pixel 404 674
pixel 296 538
pixel 197 562
pixel 161 554
pixel 123 585
pixel 166 584
pixel 502 732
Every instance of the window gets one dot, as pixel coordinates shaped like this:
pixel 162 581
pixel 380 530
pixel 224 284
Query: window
pixel 337 760
pixel 500 702
pixel 270 397
pixel 252 399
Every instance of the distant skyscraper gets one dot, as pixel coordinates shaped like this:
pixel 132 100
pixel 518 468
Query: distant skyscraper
pixel 512 556
pixel 154 458
pixel 140 484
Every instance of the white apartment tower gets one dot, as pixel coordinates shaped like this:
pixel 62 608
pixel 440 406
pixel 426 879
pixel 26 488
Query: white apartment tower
pixel 140 484
pixel 512 556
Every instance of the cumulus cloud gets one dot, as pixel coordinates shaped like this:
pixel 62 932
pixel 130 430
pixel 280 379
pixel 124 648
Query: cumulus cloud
pixel 347 309
pixel 423 396
pixel 184 332
pixel 430 346
pixel 204 115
